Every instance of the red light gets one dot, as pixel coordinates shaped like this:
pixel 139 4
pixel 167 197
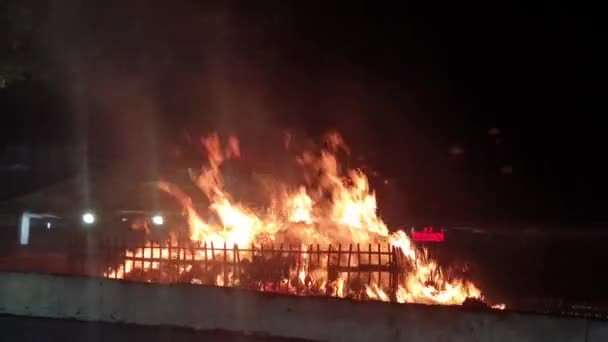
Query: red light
pixel 428 235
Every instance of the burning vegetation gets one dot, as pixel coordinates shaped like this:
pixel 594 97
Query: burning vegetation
pixel 235 245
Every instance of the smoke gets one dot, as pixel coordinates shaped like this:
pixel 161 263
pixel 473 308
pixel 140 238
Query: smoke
pixel 134 71
pixel 142 74
pixel 152 67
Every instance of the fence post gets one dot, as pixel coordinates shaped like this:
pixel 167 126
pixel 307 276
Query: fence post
pixel 298 265
pixel 369 262
pixel 359 264
pixel 225 265
pixel 379 265
pixel 236 258
pixel 327 285
pixel 350 252
pixel 394 272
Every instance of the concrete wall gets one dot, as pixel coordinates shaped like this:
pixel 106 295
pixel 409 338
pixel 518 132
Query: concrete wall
pixel 209 308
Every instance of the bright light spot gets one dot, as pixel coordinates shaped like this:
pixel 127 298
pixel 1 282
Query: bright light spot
pixel 124 219
pixel 48 225
pixel 88 218
pixel 158 220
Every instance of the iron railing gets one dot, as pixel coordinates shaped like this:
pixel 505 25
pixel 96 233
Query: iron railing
pixel 294 268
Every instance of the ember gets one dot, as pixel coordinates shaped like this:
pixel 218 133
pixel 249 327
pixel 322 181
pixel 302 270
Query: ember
pixel 234 245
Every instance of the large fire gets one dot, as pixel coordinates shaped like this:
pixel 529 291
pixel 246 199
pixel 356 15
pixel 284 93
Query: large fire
pixel 332 206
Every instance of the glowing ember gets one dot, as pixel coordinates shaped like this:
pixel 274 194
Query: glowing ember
pixel 331 207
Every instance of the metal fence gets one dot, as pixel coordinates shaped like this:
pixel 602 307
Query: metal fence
pixel 339 270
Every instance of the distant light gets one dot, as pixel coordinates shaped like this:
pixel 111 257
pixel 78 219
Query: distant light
pixel 158 220
pixel 48 225
pixel 124 219
pixel 88 218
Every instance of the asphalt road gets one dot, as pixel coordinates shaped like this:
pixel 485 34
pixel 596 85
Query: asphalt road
pixel 23 329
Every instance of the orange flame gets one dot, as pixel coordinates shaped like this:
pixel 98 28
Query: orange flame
pixel 340 208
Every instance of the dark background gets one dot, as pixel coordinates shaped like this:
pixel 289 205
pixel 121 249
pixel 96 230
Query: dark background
pixel 474 113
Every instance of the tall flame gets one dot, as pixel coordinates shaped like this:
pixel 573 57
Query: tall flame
pixel 331 207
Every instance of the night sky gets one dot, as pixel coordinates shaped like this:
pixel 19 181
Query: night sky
pixel 473 113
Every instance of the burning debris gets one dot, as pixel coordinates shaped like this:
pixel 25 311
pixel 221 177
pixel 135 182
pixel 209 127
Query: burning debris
pixel 234 245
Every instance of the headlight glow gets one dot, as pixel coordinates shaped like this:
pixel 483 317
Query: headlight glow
pixel 158 220
pixel 88 218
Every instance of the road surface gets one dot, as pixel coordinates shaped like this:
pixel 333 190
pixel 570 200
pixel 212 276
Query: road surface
pixel 24 329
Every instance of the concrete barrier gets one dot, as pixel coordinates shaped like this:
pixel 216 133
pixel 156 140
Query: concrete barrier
pixel 324 319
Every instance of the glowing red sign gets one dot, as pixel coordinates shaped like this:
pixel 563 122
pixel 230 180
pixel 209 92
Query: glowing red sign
pixel 428 235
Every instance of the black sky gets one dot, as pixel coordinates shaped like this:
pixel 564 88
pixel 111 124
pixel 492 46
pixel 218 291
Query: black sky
pixel 406 84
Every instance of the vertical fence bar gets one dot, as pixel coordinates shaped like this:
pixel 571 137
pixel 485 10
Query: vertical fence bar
pixel 252 248
pixel 225 265
pixel 369 262
pixel 142 258
pixel 339 263
pixel 298 263
pixel 206 258
pixel 309 260
pixel 263 281
pixel 237 262
pixel 161 261
pixel 176 259
pixel 394 270
pixel 273 252
pixel 359 263
pixel 154 253
pixel 147 247
pixel 170 263
pixel 391 266
pixel 262 251
pixel 212 252
pixel 164 261
pixel 319 256
pixel 327 286
pixel 379 264
pixel 212 258
pixel 184 259
pixel 150 250
pixel 194 248
pixel 181 267
pixel 350 252
pixel 281 275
